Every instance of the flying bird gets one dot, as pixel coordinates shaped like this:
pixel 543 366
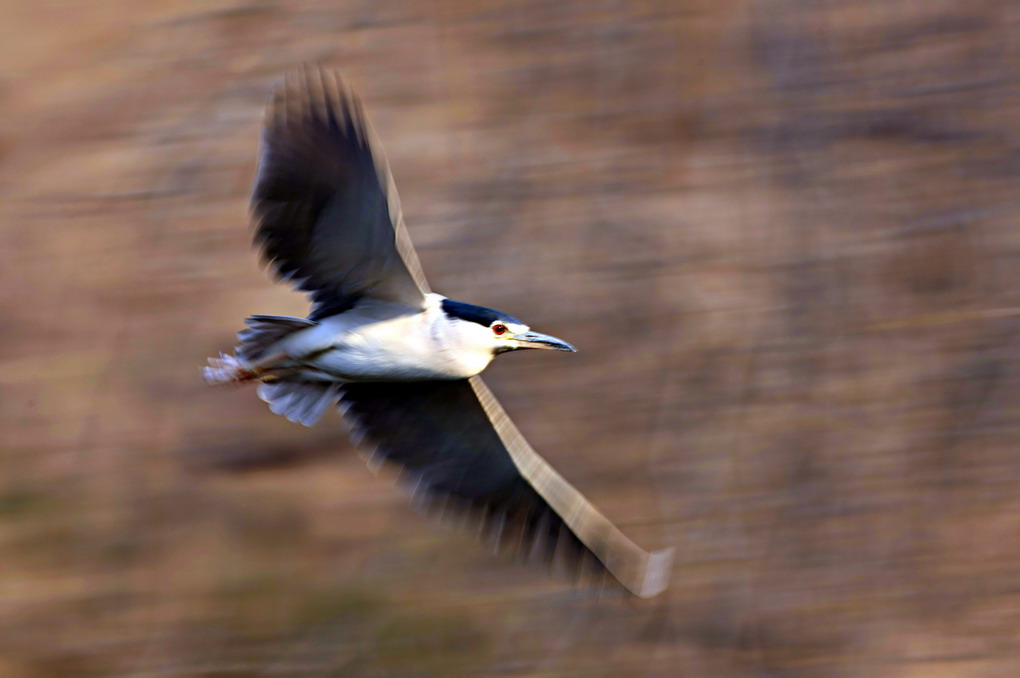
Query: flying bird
pixel 400 361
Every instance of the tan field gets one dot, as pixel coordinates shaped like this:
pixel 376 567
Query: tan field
pixel 782 234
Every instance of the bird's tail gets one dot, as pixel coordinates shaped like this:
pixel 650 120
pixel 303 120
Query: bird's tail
pixel 300 401
pixel 253 354
pixel 264 331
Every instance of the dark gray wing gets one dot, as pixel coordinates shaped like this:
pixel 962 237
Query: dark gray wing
pixel 459 450
pixel 326 210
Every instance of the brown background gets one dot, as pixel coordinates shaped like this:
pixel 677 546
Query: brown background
pixel 782 233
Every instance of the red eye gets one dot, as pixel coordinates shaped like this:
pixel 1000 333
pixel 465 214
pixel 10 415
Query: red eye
pixel 499 329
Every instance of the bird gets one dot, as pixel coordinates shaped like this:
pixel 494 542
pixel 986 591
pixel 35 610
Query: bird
pixel 400 361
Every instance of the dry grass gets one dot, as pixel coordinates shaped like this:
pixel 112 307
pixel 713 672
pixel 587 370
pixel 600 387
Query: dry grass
pixel 781 233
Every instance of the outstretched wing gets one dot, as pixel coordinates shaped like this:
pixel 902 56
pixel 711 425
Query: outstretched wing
pixel 459 450
pixel 326 210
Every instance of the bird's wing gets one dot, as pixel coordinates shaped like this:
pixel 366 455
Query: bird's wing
pixel 459 449
pixel 326 210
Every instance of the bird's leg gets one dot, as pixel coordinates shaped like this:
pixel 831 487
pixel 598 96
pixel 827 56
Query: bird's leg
pixel 229 369
pixel 264 364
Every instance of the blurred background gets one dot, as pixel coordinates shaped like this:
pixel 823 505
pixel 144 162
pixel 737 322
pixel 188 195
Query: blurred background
pixel 781 232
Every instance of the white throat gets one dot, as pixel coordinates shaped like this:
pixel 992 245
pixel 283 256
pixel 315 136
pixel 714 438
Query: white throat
pixel 466 347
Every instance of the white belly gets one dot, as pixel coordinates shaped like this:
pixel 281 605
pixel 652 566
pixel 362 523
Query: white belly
pixel 379 342
pixel 355 361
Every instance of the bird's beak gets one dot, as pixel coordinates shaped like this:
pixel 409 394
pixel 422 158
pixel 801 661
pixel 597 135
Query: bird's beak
pixel 537 340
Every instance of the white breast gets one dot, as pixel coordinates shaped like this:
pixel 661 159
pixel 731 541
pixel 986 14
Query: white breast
pixel 379 341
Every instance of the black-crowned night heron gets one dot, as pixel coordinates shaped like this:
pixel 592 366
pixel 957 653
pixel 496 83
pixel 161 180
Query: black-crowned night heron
pixel 401 361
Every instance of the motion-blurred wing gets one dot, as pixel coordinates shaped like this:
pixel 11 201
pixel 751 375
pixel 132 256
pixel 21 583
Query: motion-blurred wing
pixel 459 450
pixel 327 213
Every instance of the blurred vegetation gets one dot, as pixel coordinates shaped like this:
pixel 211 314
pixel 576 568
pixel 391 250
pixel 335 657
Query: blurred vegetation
pixel 782 234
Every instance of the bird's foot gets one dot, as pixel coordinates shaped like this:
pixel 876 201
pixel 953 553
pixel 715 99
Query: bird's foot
pixel 228 369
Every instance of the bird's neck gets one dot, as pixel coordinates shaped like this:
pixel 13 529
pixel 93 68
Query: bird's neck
pixel 460 344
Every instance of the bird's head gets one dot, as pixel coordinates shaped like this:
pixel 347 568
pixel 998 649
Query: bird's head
pixel 487 330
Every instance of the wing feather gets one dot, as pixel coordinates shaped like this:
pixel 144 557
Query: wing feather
pixel 644 574
pixel 326 208
pixel 463 456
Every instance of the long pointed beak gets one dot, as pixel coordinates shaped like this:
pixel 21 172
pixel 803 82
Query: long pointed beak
pixel 537 340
